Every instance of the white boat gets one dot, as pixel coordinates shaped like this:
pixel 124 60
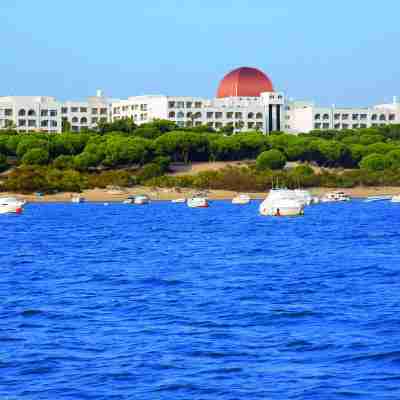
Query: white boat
pixel 377 198
pixel 395 199
pixel 304 197
pixel 181 200
pixel 197 202
pixel 77 199
pixel 241 199
pixel 335 196
pixel 281 207
pixel 142 199
pixel 11 205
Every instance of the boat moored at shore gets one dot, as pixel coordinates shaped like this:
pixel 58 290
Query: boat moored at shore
pixel 335 196
pixel 395 199
pixel 11 205
pixel 241 199
pixel 197 202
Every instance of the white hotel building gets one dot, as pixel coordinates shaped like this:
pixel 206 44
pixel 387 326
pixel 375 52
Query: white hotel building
pixel 246 100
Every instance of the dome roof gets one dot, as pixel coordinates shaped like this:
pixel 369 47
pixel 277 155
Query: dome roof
pixel 244 82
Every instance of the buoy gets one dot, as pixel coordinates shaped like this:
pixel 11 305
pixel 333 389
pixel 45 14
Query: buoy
pixel 18 210
pixel 278 213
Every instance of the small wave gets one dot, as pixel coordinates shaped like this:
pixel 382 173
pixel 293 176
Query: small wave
pixel 393 356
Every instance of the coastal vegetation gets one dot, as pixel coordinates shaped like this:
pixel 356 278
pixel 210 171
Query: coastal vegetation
pixel 123 154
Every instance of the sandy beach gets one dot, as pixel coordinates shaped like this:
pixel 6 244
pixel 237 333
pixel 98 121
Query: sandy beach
pixel 165 194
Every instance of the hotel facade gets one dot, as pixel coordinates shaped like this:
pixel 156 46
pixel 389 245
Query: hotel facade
pixel 246 100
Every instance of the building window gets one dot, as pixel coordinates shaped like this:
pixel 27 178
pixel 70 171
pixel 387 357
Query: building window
pixel 44 123
pixel 31 123
pixel 317 116
pixel 21 112
pixel 31 113
pixel 180 114
pixel 218 125
pixel 83 109
pixel 355 126
pixel 259 116
pixel 382 117
pixel 317 125
pixel 53 123
pixel 180 104
pixel 238 115
pixel 53 113
pixel 189 114
pixel 354 117
pixel 336 116
pixel 189 104
pixel 326 116
pixel 94 120
pixel 210 115
pixel 259 125
pixel 103 111
pixel 363 125
pixel 250 115
pixel 171 104
pixel 218 115
pixel 75 119
pixel 74 109
pixel 94 111
pixel 374 117
pixel 103 120
pixel 83 120
pixel 337 126
pixel 325 125
pixel 345 126
pixel 171 114
pixel 363 116
pixel 239 124
pixel 392 117
pixel 43 113
pixel 229 115
pixel 8 112
pixel 345 116
pixel 250 125
pixel 143 107
pixel 64 110
pixel 197 104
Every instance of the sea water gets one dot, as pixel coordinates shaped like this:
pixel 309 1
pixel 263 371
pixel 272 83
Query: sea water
pixel 166 302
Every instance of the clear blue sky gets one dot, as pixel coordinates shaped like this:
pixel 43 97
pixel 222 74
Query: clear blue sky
pixel 342 52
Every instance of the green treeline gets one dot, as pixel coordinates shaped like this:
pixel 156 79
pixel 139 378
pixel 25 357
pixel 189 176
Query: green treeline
pixel 121 153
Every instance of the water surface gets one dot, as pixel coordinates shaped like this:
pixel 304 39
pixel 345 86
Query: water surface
pixel 167 302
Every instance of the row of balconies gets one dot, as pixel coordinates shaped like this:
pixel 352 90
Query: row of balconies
pixel 219 125
pixel 94 111
pixel 327 125
pixel 183 104
pixel 215 115
pixel 355 117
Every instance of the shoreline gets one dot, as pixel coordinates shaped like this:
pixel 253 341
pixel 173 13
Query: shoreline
pixel 168 194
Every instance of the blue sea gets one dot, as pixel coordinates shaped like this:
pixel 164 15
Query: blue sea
pixel 166 302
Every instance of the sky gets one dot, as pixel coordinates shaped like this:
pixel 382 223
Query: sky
pixel 338 52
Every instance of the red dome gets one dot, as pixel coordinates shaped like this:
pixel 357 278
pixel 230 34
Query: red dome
pixel 244 82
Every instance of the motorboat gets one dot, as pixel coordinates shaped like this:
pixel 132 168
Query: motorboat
pixel 197 202
pixel 303 196
pixel 77 199
pixel 11 205
pixel 141 199
pixel 335 196
pixel 181 200
pixel 284 207
pixel 241 199
pixel 395 199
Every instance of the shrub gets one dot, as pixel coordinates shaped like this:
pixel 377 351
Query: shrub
pixel 36 157
pixel 271 159
pixel 374 162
